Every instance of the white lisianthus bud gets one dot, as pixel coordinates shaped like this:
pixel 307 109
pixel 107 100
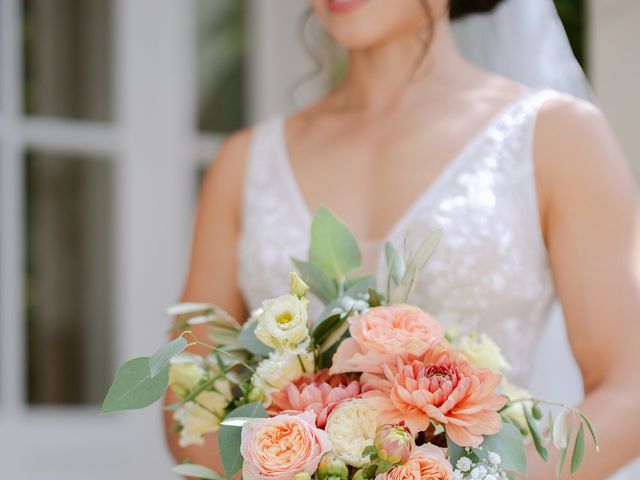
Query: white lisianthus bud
pixel 515 412
pixel 352 427
pixel 482 352
pixel 279 369
pixel 298 287
pixel 283 323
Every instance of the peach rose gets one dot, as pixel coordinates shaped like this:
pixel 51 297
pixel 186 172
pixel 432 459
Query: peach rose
pixel 427 462
pixel 380 334
pixel 280 447
pixel 442 386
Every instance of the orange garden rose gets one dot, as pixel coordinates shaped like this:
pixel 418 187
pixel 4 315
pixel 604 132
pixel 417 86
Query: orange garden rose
pixel 278 448
pixel 427 462
pixel 442 386
pixel 316 392
pixel 380 334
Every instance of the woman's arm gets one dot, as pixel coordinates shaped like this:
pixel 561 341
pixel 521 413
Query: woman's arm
pixel 591 222
pixel 212 270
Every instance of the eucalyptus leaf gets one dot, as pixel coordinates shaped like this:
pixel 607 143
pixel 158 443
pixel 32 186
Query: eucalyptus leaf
pixel 186 308
pixel 357 290
pixel 247 338
pixel 333 247
pixel 535 435
pixel 323 287
pixel 236 421
pixel 455 451
pixel 196 471
pixel 509 444
pixel 229 437
pixel 404 291
pixel 134 387
pixel 578 450
pixel 163 356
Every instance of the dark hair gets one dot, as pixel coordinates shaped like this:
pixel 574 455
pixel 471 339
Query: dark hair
pixel 461 8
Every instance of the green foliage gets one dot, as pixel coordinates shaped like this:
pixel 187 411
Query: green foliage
pixel 229 437
pixel 160 360
pixel 333 248
pixel 247 338
pixel 578 450
pixel 319 282
pixel 134 387
pixel 535 435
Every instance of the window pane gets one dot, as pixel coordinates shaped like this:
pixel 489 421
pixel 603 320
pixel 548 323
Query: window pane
pixel 222 74
pixel 67 48
pixel 69 277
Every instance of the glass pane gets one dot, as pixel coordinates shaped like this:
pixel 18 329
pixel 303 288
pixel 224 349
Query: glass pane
pixel 221 64
pixel 69 291
pixel 573 14
pixel 67 48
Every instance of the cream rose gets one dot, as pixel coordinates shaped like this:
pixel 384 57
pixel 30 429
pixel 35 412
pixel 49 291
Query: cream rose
pixel 184 373
pixel 283 323
pixel 352 427
pixel 279 369
pixel 482 352
pixel 203 415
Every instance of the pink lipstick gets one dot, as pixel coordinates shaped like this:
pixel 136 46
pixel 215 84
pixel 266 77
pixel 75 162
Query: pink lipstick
pixel 343 6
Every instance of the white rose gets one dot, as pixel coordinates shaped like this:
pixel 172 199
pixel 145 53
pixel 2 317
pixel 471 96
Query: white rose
pixel 280 369
pixel 283 323
pixel 201 417
pixel 184 373
pixel 482 352
pixel 352 427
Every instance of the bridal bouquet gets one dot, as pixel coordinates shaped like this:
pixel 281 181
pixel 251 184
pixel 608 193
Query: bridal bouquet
pixel 371 388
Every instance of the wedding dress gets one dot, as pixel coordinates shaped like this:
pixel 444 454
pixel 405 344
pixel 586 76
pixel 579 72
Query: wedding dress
pixel 490 272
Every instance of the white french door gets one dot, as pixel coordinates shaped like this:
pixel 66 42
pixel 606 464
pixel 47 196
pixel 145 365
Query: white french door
pixel 109 110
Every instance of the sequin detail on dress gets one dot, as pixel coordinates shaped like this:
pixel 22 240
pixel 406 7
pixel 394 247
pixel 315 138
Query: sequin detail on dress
pixel 491 270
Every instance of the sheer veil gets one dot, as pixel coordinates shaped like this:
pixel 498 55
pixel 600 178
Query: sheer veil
pixel 525 41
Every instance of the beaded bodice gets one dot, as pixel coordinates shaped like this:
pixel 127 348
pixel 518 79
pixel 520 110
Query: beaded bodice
pixel 490 272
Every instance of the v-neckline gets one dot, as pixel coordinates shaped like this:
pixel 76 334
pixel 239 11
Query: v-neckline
pixel 427 192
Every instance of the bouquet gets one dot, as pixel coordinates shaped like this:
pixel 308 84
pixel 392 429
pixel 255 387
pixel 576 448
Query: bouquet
pixel 372 387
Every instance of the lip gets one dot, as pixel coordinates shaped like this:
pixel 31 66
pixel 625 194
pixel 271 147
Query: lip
pixel 343 6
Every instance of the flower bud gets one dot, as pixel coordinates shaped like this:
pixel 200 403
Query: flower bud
pixel 255 394
pixel 302 476
pixel 298 287
pixel 332 468
pixel 359 475
pixel 394 443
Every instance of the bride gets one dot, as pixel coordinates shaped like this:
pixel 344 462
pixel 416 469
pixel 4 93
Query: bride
pixel 531 190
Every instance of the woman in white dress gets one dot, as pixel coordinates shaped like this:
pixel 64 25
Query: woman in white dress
pixel 529 186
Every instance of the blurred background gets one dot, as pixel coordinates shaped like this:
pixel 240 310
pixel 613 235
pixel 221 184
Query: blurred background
pixel 110 110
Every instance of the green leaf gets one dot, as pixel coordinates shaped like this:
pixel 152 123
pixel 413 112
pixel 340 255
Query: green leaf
pixel 229 437
pixel 404 291
pixel 374 298
pixel 395 262
pixel 248 340
pixel 509 444
pixel 591 430
pixel 384 466
pixel 319 282
pixel 333 248
pixel 163 356
pixel 358 288
pixel 196 471
pixel 369 451
pixel 455 451
pixel 134 387
pixel 535 435
pixel 578 450
pixel 327 326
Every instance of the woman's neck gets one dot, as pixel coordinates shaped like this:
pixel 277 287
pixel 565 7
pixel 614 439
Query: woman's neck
pixel 381 78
